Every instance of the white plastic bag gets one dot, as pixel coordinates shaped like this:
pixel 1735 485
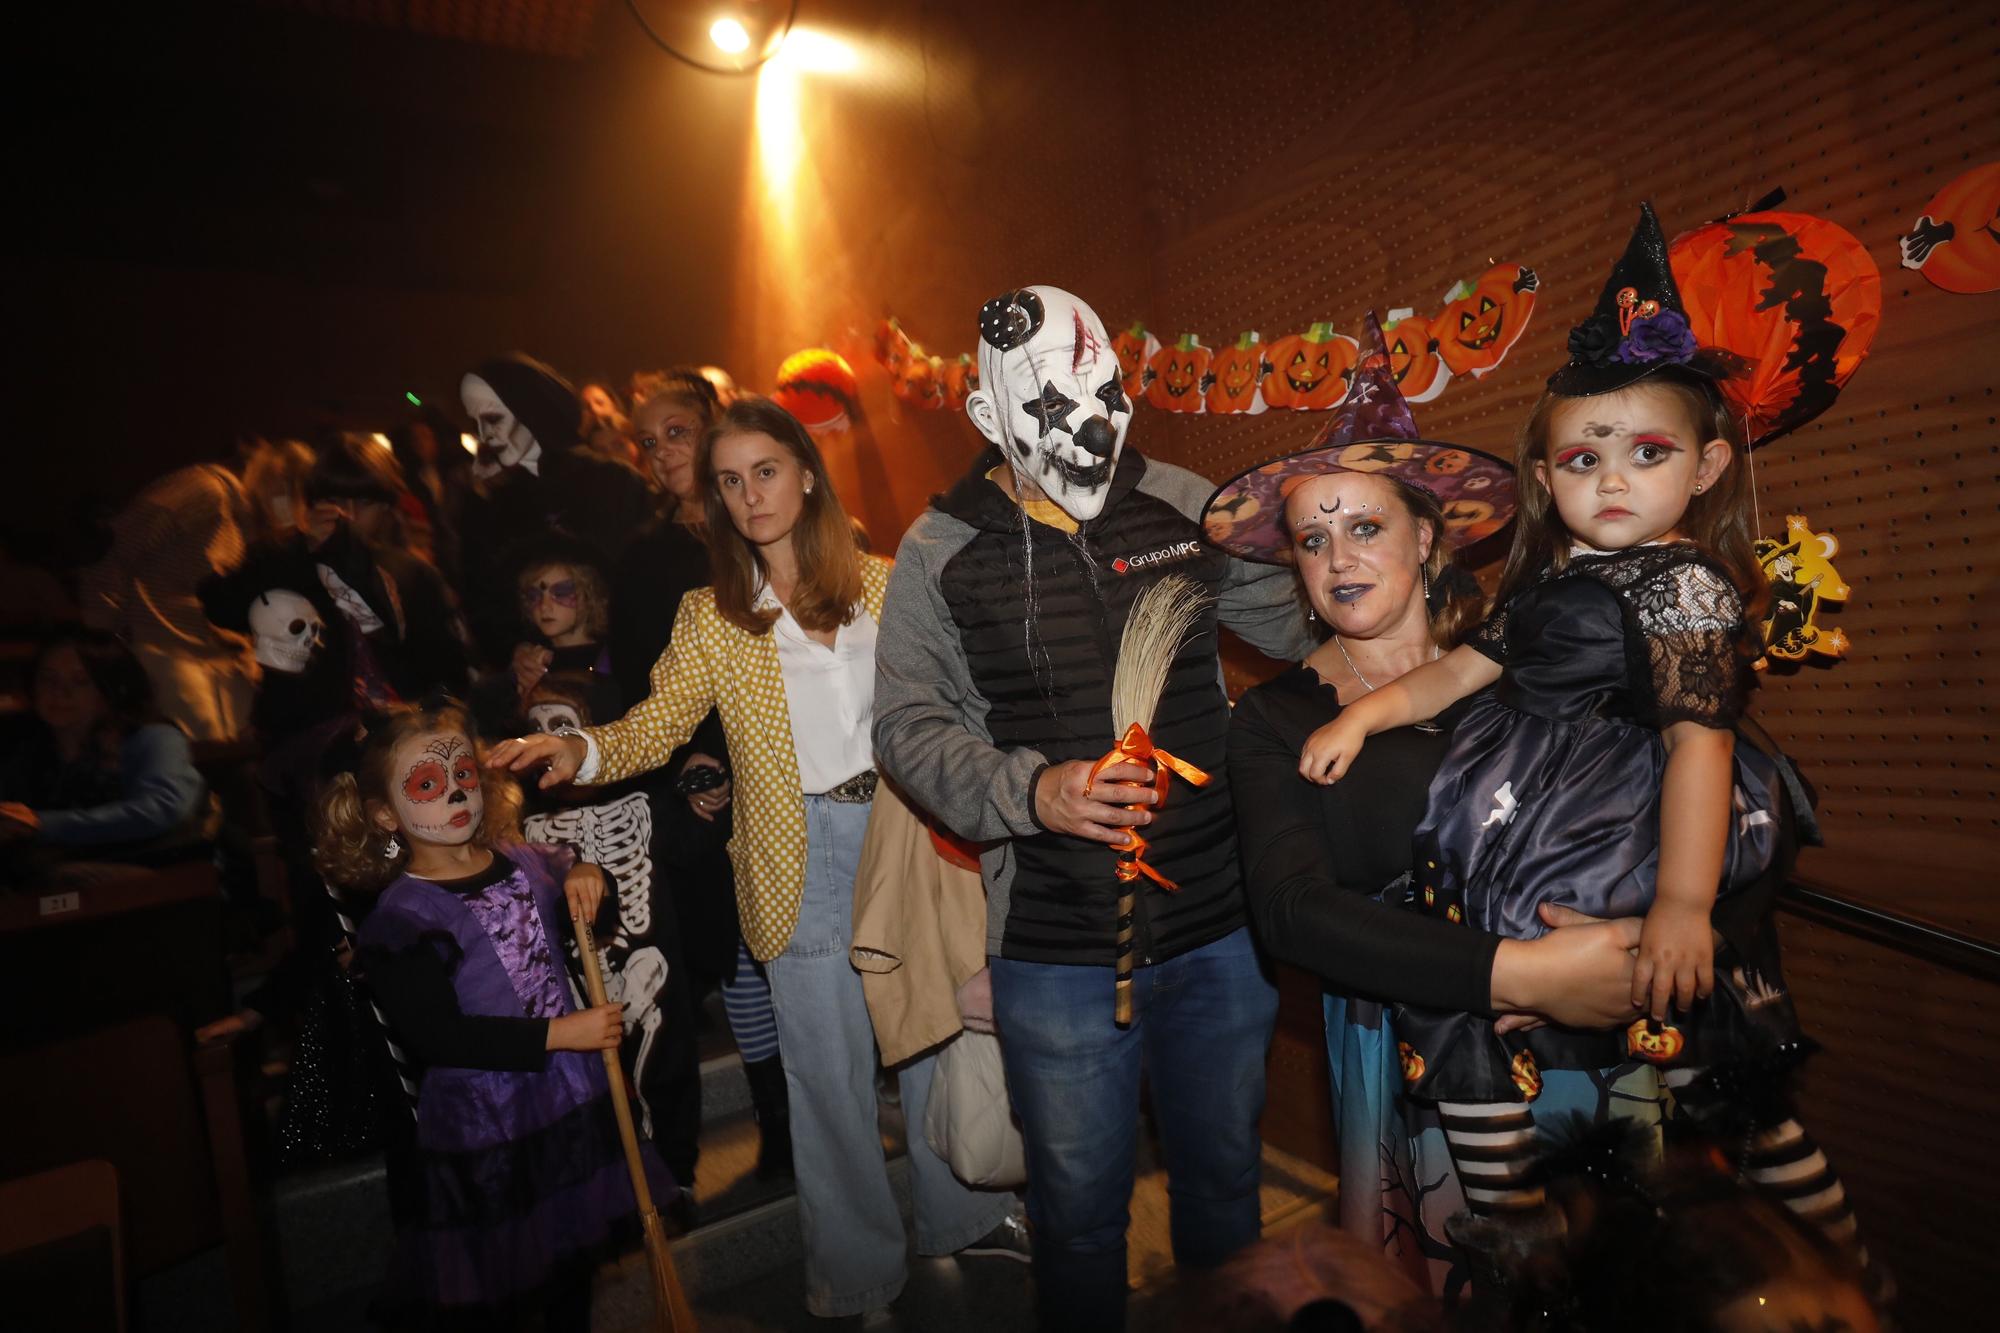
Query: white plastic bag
pixel 969 1121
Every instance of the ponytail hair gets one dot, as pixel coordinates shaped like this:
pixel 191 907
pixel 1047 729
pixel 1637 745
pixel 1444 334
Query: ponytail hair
pixel 350 848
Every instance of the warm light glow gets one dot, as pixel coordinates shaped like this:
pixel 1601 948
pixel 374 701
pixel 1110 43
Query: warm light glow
pixel 379 440
pixel 730 36
pixel 471 444
pixel 816 53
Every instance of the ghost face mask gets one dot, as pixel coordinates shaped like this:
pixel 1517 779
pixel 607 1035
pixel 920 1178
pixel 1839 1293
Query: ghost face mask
pixel 434 788
pixel 1050 395
pixel 504 439
pixel 287 631
pixel 553 719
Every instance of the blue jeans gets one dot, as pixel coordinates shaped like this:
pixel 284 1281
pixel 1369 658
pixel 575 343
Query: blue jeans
pixel 853 1229
pixel 1201 1027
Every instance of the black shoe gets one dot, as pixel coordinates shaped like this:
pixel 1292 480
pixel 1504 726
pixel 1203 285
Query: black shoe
pixel 772 1108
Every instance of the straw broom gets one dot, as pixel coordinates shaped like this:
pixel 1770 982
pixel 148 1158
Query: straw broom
pixel 1154 632
pixel 670 1304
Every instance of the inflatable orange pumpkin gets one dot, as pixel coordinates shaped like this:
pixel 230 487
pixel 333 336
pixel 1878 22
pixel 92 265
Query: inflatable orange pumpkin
pixel 1134 348
pixel 1174 381
pixel 1476 331
pixel 1413 359
pixel 1233 373
pixel 1309 370
pixel 1956 241
pixel 1792 301
pixel 961 377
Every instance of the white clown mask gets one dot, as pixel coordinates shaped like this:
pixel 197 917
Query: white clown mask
pixel 553 718
pixel 1050 395
pixel 435 788
pixel 504 439
pixel 286 629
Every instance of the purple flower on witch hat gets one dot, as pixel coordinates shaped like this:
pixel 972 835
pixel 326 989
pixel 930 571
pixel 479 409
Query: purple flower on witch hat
pixel 1664 337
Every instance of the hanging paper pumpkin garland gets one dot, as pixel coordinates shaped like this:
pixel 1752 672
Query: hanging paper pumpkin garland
pixel 1134 349
pixel 1174 375
pixel 1803 582
pixel 1420 372
pixel 1793 301
pixel 1955 241
pixel 1308 371
pixel 1482 321
pixel 1232 383
pixel 961 377
pixel 818 387
pixel 892 347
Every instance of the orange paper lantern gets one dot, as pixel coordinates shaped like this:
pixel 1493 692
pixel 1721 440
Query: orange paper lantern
pixel 818 387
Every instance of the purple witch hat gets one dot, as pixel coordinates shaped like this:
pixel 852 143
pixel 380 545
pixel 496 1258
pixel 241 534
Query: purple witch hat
pixel 1639 326
pixel 1374 431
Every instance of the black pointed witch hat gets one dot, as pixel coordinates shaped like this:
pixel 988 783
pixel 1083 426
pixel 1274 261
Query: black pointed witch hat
pixel 1639 326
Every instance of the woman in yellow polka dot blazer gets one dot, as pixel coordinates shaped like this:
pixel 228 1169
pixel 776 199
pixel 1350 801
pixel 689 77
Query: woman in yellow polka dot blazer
pixel 783 647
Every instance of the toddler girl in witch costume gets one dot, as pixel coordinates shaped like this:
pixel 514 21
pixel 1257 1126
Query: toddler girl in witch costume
pixel 1603 773
pixel 522 1180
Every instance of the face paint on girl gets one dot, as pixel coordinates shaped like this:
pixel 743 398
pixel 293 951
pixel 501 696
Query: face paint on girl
pixel 436 795
pixel 552 719
pixel 1622 467
pixel 548 596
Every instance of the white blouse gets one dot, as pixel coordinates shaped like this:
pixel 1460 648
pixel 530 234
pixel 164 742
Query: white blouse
pixel 830 694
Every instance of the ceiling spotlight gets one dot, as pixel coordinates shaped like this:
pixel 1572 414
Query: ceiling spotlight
pixel 729 35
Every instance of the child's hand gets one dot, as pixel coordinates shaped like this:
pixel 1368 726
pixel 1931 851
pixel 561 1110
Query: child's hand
pixel 599 1029
pixel 1676 960
pixel 583 886
pixel 1331 749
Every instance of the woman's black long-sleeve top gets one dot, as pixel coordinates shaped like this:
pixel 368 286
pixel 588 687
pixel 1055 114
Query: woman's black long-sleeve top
pixel 1313 856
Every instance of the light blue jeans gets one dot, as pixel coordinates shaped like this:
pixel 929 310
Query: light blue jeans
pixel 853 1231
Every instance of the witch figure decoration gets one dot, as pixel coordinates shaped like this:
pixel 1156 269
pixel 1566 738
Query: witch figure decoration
pixel 1610 769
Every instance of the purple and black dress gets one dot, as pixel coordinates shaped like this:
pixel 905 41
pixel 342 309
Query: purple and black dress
pixel 1550 793
pixel 522 1174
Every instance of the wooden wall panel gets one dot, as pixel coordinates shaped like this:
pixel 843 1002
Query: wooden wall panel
pixel 1308 170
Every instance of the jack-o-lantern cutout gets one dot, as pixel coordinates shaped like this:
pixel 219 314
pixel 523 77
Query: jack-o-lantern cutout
pixel 1655 1043
pixel 1233 374
pixel 1803 579
pixel 1309 371
pixel 961 377
pixel 1413 358
pixel 1134 349
pixel 1955 242
pixel 1476 329
pixel 1413 1063
pixel 1526 1076
pixel 922 382
pixel 892 347
pixel 1174 375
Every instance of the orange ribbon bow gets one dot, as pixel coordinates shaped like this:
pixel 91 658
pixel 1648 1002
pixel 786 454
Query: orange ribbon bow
pixel 1135 746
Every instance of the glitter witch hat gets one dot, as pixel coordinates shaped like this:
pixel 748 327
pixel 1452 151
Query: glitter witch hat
pixel 1640 325
pixel 1373 430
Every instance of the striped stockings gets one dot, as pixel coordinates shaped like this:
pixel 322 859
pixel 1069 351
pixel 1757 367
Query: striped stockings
pixel 1492 1146
pixel 746 1000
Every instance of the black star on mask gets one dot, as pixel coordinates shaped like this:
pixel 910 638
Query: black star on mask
pixel 1052 409
pixel 1112 395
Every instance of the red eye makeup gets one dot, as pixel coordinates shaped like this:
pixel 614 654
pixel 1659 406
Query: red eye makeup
pixel 425 782
pixel 465 773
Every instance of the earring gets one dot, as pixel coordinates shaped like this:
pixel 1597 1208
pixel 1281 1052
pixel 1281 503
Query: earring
pixel 1310 615
pixel 1427 583
pixel 391 848
pixel 1697 488
pixel 809 486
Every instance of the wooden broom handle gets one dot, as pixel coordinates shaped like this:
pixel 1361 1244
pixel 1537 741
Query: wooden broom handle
pixel 621 1104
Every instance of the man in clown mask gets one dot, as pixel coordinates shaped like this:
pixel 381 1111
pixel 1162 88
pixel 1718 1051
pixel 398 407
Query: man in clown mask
pixel 992 699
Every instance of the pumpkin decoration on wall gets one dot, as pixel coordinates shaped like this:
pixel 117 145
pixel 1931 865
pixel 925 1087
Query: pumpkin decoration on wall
pixel 1790 302
pixel 1134 348
pixel 1481 322
pixel 1955 241
pixel 1413 357
pixel 1803 580
pixel 1234 377
pixel 892 347
pixel 961 377
pixel 1174 375
pixel 921 384
pixel 1308 371
pixel 818 387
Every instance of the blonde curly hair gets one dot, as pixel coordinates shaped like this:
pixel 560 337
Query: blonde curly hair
pixel 350 849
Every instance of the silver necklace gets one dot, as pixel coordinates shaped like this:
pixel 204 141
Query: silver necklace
pixel 1429 725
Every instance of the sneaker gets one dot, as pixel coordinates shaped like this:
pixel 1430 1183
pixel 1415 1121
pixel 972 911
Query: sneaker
pixel 1009 1240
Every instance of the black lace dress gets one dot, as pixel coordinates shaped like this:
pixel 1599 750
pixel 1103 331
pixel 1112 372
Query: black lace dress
pixel 1550 793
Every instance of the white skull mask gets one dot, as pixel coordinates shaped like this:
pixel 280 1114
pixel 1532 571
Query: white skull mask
pixel 288 631
pixel 504 439
pixel 552 719
pixel 1050 395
